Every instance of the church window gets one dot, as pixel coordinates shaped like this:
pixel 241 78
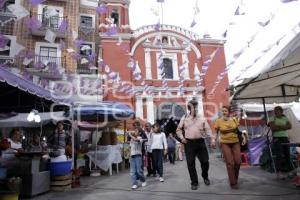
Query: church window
pixel 168 68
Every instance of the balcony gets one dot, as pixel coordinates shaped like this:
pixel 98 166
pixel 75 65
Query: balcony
pixel 46 66
pixel 53 23
pixel 7 61
pixel 5 14
pixel 85 68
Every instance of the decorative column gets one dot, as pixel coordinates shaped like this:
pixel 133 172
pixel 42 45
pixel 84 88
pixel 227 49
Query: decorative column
pixel 200 105
pixel 150 110
pixel 185 60
pixel 148 63
pixel 139 107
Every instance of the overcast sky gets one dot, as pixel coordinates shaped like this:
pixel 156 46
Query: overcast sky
pixel 216 15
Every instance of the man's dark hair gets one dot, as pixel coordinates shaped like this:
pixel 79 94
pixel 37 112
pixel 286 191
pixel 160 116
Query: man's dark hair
pixel 13 132
pixel 192 104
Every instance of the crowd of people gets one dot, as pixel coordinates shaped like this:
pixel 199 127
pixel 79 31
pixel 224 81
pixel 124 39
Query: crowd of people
pixel 150 147
pixel 192 133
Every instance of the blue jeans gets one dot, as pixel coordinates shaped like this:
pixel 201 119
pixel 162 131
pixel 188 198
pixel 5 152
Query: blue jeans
pixel 136 171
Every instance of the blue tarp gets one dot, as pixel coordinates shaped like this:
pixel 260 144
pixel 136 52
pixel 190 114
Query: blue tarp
pixel 103 111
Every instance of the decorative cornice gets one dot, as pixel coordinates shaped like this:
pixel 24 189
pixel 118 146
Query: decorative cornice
pixel 145 29
pixel 127 2
pixel 126 36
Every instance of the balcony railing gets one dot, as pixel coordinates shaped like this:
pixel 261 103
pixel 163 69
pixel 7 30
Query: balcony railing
pixel 84 68
pixel 6 61
pixel 46 66
pixel 53 23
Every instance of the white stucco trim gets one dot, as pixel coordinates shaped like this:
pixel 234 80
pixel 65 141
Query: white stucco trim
pixel 148 64
pixel 185 60
pixel 139 107
pixel 91 3
pixel 143 38
pixel 150 110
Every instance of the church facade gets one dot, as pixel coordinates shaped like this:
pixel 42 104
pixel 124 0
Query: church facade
pixel 168 59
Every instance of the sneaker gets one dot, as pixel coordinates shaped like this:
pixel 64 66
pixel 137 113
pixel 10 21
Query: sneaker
pixel 134 187
pixel 161 179
pixel 148 175
pixel 194 187
pixel 144 184
pixel 206 181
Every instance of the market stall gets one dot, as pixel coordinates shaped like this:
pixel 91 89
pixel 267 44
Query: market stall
pixel 102 118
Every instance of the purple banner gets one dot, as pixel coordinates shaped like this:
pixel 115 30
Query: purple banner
pixel 256 147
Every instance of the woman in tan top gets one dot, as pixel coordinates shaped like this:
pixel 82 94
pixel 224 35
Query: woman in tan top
pixel 230 145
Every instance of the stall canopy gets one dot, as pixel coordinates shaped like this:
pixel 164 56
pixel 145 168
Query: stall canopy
pixel 20 120
pixel 102 111
pixel 280 84
pixel 30 87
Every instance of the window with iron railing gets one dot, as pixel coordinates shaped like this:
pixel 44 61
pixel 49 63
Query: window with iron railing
pixel 49 55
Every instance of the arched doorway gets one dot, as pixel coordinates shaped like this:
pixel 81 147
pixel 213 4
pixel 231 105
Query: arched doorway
pixel 169 115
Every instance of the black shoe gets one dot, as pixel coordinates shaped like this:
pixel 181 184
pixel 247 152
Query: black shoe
pixel 194 187
pixel 148 175
pixel 206 181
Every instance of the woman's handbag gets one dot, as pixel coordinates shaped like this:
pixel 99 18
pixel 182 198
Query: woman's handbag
pixel 242 138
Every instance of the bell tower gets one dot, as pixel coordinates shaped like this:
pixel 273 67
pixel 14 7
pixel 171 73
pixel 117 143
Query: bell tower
pixel 116 16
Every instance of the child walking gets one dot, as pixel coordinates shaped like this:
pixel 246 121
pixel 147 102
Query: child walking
pixel 159 148
pixel 136 160
pixel 171 148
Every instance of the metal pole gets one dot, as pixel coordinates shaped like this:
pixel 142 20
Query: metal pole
pixel 73 140
pixel 268 139
pixel 124 140
pixel 265 111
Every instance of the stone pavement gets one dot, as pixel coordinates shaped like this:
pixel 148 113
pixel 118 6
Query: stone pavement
pixel 254 184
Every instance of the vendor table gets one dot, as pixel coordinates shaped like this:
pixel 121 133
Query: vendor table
pixel 34 174
pixel 105 156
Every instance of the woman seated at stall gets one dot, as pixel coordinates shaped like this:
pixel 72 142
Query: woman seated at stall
pixel 15 144
pixel 36 145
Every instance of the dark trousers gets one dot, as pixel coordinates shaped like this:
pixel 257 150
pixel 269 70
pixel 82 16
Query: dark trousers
pixel 150 163
pixel 232 155
pixel 282 154
pixel 196 148
pixel 171 155
pixel 158 161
